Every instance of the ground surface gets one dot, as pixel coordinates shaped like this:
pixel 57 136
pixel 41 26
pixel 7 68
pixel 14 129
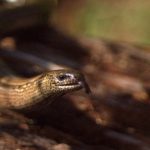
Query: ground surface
pixel 115 116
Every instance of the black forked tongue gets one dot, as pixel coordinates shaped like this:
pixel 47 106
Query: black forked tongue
pixel 86 87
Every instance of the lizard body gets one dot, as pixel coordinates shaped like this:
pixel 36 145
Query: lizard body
pixel 18 93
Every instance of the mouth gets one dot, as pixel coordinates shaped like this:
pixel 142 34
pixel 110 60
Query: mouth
pixel 75 86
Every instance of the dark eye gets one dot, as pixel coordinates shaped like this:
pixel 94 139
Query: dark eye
pixel 63 77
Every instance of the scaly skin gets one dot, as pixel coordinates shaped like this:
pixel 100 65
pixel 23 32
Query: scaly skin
pixel 16 93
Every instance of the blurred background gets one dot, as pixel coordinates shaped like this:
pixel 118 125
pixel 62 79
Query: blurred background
pixel 108 41
pixel 113 19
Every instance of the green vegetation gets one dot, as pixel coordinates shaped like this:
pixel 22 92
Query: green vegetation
pixel 125 21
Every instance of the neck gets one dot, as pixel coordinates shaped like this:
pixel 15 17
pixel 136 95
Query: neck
pixel 29 93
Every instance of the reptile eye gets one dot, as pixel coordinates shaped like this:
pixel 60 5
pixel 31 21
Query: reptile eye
pixel 63 77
